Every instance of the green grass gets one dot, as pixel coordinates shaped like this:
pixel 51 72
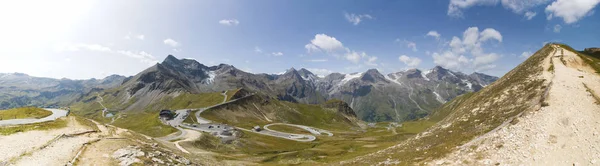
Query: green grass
pixel 231 93
pixel 471 115
pixel 592 60
pixel 86 122
pixel 146 123
pixel 593 93
pixel 551 68
pixel 188 100
pixel 58 123
pixel 252 111
pixel 24 112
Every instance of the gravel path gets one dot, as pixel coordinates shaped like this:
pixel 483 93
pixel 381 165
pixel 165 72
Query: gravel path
pixel 566 132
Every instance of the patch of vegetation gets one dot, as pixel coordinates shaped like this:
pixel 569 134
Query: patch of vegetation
pixel 471 115
pixel 86 122
pixel 593 93
pixel 58 123
pixel 592 60
pixel 231 93
pixel 259 110
pixel 23 113
pixel 551 68
pixel 146 123
pixel 188 100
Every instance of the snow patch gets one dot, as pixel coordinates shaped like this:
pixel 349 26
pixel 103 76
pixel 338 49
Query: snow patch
pixel 450 72
pixel 349 77
pixel 469 84
pixel 439 98
pixel 394 80
pixel 424 74
pixel 211 77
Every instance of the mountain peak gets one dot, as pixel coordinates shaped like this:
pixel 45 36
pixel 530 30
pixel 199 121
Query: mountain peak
pixel 439 68
pixel 373 75
pixel 171 60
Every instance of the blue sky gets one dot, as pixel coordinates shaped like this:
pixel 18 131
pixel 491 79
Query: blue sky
pixel 92 39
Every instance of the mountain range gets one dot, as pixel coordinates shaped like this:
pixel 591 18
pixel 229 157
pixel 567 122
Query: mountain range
pixel 398 96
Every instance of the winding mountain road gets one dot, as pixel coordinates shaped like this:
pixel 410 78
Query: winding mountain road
pixel 56 113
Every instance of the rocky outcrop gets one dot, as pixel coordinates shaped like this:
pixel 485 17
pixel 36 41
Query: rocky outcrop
pixel 131 155
pixel 340 106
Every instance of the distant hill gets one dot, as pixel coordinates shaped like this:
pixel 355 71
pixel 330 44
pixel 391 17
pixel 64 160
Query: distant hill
pixel 17 89
pixel 398 96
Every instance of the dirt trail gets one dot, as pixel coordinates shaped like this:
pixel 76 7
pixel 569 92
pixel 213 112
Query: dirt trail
pixel 565 132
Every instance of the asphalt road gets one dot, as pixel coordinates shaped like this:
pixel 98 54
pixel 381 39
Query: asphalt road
pixel 56 113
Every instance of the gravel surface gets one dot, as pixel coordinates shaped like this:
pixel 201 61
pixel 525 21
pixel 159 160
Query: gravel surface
pixel 566 132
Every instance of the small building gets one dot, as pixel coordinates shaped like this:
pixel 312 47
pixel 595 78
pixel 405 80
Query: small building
pixel 166 115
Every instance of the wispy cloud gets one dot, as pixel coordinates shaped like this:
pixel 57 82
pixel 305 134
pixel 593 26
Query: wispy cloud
pixel 530 15
pixel 277 53
pixel 229 22
pixel 257 50
pixel 356 18
pixel 317 60
pixel 171 42
pixel 143 56
pixel 434 34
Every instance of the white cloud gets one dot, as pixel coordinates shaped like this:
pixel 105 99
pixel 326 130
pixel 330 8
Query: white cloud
pixel 490 33
pixel 485 59
pixel 141 37
pixel 530 15
pixel 371 60
pixel 320 72
pixel 570 11
pixel 324 42
pixel 171 42
pixel 356 18
pixel 526 54
pixel 257 50
pixel 557 28
pixel 456 7
pixel 411 62
pixel 471 43
pixel 141 55
pixel 450 60
pixel 310 48
pixel 277 53
pixel 317 60
pixel 519 6
pixel 412 45
pixel 229 22
pixel 434 34
pixel 353 56
pixel 332 46
pixel 78 47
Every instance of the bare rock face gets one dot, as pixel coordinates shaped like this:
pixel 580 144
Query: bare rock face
pixel 134 154
pixel 128 155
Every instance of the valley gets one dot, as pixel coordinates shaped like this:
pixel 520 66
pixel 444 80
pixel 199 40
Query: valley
pixel 140 122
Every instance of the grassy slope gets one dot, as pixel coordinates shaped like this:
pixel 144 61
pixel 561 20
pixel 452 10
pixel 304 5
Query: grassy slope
pixel 471 115
pixel 145 120
pixel 24 112
pixel 592 60
pixel 348 141
pixel 255 111
pixel 230 93
pixel 59 123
